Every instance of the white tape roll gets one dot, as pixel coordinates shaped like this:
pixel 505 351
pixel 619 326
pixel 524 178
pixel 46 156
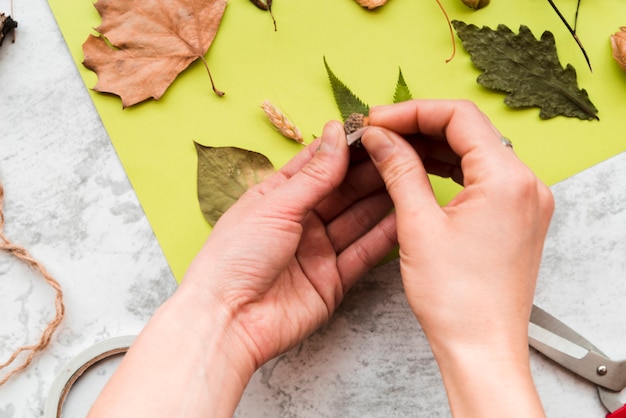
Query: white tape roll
pixel 77 366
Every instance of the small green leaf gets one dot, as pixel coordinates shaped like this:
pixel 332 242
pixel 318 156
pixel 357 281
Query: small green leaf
pixel 402 93
pixel 347 102
pixel 527 69
pixel 224 174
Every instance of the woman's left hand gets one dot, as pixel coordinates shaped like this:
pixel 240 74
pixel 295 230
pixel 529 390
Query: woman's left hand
pixel 281 259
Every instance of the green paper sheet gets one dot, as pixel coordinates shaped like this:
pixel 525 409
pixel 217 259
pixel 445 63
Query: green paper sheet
pixel 252 63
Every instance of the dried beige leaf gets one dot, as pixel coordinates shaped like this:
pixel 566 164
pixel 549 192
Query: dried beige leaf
pixel 618 43
pixel 144 45
pixel 371 4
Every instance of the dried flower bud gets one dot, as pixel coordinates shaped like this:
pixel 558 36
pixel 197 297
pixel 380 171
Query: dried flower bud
pixel 7 25
pixel 476 4
pixel 352 124
pixel 618 43
pixel 371 4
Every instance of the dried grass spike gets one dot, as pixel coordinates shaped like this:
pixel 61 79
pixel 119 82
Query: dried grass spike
pixel 286 127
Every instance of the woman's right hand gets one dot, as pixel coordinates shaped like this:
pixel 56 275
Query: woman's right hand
pixel 469 268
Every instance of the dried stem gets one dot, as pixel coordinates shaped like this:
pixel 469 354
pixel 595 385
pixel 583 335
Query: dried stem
pixel 13 17
pixel 267 6
pixel 572 31
pixel 269 9
pixel 218 92
pixel 576 16
pixel 451 31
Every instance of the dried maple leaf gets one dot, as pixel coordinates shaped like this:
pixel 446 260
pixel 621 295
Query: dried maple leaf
pixel 144 45
pixel 527 69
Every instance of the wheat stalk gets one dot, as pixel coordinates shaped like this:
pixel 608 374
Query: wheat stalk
pixel 282 123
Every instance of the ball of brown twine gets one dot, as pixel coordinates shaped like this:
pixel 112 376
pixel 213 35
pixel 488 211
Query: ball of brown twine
pixel 22 255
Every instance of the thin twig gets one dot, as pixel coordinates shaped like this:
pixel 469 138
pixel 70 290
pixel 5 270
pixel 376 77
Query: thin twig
pixel 443 10
pixel 576 16
pixel 572 32
pixel 269 9
pixel 13 17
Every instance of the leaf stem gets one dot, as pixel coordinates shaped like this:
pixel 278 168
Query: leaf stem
pixel 269 9
pixel 12 16
pixel 218 92
pixel 576 15
pixel 451 31
pixel 572 31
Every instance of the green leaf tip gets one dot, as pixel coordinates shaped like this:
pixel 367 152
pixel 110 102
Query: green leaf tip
pixel 402 93
pixel 527 69
pixel 347 102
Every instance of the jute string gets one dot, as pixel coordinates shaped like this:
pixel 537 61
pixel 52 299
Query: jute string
pixel 21 254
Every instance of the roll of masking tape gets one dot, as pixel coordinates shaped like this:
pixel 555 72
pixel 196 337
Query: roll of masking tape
pixel 77 366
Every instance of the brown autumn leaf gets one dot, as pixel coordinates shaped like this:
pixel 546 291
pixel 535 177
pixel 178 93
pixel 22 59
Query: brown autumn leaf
pixel 144 45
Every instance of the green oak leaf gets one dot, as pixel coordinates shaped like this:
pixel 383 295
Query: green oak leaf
pixel 402 93
pixel 347 102
pixel 224 174
pixel 527 69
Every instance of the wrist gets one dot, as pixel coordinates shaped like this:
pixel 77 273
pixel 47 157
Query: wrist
pixel 486 381
pixel 186 362
pixel 211 326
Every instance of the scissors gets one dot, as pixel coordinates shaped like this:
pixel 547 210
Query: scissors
pixel 566 347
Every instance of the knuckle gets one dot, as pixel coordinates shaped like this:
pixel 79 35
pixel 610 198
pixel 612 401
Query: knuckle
pixel 524 189
pixel 547 199
pixel 398 170
pixel 317 171
pixel 467 106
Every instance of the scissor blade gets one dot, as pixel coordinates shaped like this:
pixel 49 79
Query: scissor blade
pixel 546 341
pixel 566 347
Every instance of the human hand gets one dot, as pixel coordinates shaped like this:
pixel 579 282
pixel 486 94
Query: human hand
pixel 282 258
pixel 470 267
pixel 274 269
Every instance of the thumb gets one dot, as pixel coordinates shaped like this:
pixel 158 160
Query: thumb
pixel 401 169
pixel 315 179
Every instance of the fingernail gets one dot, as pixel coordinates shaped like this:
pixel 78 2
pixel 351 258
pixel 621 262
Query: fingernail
pixel 330 138
pixel 378 143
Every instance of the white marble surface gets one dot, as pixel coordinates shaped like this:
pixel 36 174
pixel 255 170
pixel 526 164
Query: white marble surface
pixel 69 202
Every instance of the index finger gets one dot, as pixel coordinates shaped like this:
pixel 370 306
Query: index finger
pixel 460 122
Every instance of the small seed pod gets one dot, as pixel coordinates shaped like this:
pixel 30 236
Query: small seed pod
pixel 618 44
pixel 7 25
pixel 476 4
pixel 371 4
pixel 353 126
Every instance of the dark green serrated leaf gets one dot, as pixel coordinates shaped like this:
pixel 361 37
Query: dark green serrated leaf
pixel 347 102
pixel 224 174
pixel 402 93
pixel 527 69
